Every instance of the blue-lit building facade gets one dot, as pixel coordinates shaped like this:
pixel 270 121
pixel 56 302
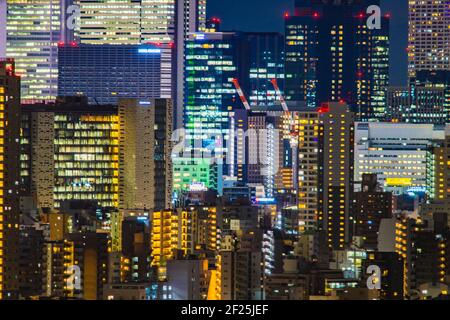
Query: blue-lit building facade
pixel 266 63
pixel 213 60
pixel 105 73
pixel 332 55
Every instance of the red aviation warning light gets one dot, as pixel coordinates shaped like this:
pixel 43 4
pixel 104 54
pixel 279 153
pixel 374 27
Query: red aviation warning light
pixel 324 108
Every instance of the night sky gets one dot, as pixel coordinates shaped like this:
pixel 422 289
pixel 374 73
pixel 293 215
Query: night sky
pixel 267 15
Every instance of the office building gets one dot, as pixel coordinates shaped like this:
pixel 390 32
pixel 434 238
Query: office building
pixel 213 60
pixel 336 167
pixel 166 23
pixel 318 70
pixel 80 162
pixel 425 100
pixel 396 152
pixel 266 64
pixel 9 179
pixel 145 166
pixel 33 30
pixel 3 30
pixel 107 73
pixel 430 97
pixel 438 182
pixel 429 36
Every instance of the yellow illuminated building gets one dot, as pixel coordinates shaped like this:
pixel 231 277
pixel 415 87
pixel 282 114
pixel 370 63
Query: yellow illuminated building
pixel 33 32
pixel 169 233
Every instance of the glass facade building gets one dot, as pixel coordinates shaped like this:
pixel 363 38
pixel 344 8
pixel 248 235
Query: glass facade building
pixel 331 55
pixel 105 73
pixel 33 31
pixel 83 153
pixel 213 60
pixel 266 63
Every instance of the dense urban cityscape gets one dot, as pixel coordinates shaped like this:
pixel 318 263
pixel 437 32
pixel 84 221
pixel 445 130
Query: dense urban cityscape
pixel 149 153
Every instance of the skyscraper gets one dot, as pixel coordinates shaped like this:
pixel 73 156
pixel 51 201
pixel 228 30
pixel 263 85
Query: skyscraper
pixel 2 30
pixel 79 154
pixel 164 22
pixel 145 166
pixel 371 205
pixel 33 31
pixel 266 63
pixel 9 179
pixel 332 55
pixel 106 73
pixel 336 174
pixel 429 35
pixel 213 60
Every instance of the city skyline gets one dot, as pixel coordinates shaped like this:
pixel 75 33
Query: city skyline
pixel 187 151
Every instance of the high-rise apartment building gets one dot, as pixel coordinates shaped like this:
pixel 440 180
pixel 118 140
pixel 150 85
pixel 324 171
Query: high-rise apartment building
pixel 135 254
pixel 9 179
pixel 307 124
pixel 440 170
pixel 33 31
pixel 106 73
pixel 145 166
pixel 429 35
pixel 332 55
pixel 169 233
pixel 89 252
pixel 371 205
pixel 336 155
pixel 423 247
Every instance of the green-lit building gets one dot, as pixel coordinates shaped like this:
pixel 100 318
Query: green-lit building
pixel 213 60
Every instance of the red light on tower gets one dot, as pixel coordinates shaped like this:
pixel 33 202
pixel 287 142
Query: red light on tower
pixel 387 15
pixel 61 44
pixel 342 101
pixel 324 108
pixel 171 45
pixel 315 15
pixel 286 15
pixel 361 15
pixel 73 44
pixel 9 69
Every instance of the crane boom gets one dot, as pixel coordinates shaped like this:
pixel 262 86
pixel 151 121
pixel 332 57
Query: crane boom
pixel 241 94
pixel 278 93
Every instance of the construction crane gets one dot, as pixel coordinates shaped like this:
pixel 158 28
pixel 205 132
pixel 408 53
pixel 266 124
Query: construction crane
pixel 293 141
pixel 241 94
pixel 280 96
